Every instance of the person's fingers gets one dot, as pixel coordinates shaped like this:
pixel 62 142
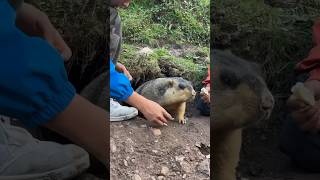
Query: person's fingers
pixel 162 119
pixel 66 53
pixel 159 122
pixel 167 115
pixel 128 75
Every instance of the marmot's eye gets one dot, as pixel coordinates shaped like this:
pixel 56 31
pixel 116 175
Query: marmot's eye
pixel 182 86
pixel 229 78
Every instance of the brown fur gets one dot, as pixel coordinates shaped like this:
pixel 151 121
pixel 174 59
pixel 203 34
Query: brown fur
pixel 171 93
pixel 240 98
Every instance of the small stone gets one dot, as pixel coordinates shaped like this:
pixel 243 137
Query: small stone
pixel 204 167
pixel 143 126
pixel 153 178
pixel 208 156
pixel 156 132
pixel 184 176
pixel 160 177
pixel 185 166
pixel 155 151
pixel 136 177
pixel 179 158
pixel 164 170
pixel 125 163
pixel 145 51
pixel 113 146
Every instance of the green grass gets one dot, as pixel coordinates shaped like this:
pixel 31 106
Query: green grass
pixel 167 21
pixel 159 24
pixel 277 38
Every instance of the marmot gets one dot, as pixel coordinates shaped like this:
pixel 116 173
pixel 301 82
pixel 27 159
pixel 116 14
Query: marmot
pixel 240 97
pixel 171 93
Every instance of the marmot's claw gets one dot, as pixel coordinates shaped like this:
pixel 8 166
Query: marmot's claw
pixel 183 121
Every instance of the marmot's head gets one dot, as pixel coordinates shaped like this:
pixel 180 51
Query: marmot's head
pixel 240 94
pixel 178 90
pixel 167 91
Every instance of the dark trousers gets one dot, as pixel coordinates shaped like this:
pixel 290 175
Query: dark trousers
pixel 302 147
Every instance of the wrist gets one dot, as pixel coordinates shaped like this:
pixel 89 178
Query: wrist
pixel 137 101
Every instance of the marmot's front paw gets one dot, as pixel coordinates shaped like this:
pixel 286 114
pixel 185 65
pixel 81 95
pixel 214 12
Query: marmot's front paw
pixel 183 121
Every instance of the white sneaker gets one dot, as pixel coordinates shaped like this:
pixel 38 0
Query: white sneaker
pixel 120 113
pixel 23 157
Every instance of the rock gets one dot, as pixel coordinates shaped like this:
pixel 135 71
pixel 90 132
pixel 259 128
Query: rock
pixel 143 126
pixel 153 178
pixel 184 176
pixel 208 156
pixel 136 177
pixel 125 163
pixel 145 51
pixel 160 177
pixel 185 166
pixel 179 158
pixel 164 170
pixel 204 167
pixel 113 146
pixel 156 132
pixel 155 151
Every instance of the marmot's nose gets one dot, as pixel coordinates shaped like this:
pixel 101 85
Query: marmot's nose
pixel 193 93
pixel 267 101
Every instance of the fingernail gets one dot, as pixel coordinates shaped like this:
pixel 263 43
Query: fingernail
pixel 165 124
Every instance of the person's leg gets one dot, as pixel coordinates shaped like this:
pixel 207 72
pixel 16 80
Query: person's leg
pixel 121 113
pixel 86 125
pixel 24 157
pixel 203 107
pixel 115 34
pixel 302 147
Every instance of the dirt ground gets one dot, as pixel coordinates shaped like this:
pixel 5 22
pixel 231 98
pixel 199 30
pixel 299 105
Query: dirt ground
pixel 180 152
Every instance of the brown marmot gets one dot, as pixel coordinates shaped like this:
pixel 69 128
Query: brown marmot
pixel 240 97
pixel 171 93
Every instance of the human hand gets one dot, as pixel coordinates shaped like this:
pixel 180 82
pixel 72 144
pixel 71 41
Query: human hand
pixel 306 115
pixel 205 94
pixel 121 68
pixel 55 39
pixel 155 113
pixel 151 110
pixel 34 22
pixel 120 3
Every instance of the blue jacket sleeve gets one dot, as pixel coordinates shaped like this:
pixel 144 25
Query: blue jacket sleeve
pixel 34 86
pixel 120 87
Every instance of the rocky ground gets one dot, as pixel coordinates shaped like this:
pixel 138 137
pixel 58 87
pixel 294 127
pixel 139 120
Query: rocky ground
pixel 141 152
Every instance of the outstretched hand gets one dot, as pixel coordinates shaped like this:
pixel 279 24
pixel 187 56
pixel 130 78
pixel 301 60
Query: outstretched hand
pixel 307 116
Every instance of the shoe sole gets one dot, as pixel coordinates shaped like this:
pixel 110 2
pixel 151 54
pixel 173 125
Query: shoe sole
pixel 123 118
pixel 73 170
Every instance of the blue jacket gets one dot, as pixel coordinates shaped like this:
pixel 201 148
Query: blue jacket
pixel 120 87
pixel 34 87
